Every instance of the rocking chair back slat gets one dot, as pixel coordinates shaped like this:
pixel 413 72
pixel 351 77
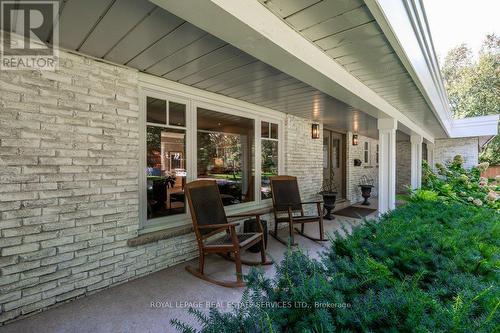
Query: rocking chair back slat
pixel 286 193
pixel 205 204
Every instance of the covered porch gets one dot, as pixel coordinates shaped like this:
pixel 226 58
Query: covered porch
pixel 151 95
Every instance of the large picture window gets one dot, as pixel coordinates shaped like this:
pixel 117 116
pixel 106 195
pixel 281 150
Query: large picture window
pixel 188 137
pixel 226 154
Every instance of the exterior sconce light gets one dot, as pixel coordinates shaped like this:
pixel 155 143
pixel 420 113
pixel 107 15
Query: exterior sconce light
pixel 315 131
pixel 355 140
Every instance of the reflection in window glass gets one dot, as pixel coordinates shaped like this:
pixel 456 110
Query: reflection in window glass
pixel 274 131
pixel 176 114
pixel 166 171
pixel 269 166
pixel 335 153
pixel 226 154
pixel 264 129
pixel 156 110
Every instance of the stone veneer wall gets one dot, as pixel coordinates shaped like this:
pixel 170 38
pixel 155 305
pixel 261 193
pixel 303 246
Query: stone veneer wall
pixel 446 149
pixel 69 184
pixel 304 157
pixel 354 173
pixel 403 166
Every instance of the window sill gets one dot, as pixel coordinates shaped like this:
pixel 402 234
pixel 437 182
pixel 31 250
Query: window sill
pixel 153 236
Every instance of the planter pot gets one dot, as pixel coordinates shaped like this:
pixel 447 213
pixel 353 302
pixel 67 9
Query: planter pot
pixel 329 204
pixel 366 191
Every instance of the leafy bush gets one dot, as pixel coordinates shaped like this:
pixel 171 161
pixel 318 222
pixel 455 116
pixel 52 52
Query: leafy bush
pixel 431 265
pixel 453 182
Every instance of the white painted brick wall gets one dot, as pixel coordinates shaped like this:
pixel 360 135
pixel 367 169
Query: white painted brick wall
pixel 446 149
pixel 69 184
pixel 354 173
pixel 304 157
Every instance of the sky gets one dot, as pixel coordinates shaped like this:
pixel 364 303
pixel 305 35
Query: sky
pixel 453 22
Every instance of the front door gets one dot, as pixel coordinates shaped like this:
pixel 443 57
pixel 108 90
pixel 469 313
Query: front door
pixel 334 160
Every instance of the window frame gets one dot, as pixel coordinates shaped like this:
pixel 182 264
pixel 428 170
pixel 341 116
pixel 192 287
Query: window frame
pixel 366 152
pixel 279 139
pixel 194 98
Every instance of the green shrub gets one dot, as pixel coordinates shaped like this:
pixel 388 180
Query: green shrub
pixel 454 182
pixel 428 266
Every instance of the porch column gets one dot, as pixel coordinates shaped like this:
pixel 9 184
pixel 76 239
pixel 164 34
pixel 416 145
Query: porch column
pixel 416 161
pixel 387 164
pixel 430 155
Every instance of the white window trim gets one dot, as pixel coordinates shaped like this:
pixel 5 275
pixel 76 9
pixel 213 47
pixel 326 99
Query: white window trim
pixel 193 98
pixel 367 148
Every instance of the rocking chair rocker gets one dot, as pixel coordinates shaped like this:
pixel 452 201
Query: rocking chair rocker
pixel 288 208
pixel 209 219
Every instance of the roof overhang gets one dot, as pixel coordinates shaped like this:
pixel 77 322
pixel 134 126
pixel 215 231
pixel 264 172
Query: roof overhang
pixel 251 27
pixel 405 25
pixel 475 126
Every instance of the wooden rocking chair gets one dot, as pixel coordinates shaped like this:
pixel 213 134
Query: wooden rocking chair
pixel 288 209
pixel 209 219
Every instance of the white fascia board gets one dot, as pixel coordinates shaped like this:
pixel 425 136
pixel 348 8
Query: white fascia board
pixel 252 28
pixel 405 25
pixel 475 126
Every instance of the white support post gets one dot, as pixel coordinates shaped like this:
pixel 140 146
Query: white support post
pixel 416 161
pixel 387 164
pixel 430 155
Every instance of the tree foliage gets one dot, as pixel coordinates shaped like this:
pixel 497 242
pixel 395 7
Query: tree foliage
pixel 473 86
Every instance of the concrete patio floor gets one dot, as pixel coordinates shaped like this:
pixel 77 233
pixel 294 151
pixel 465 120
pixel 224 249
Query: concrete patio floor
pixel 129 307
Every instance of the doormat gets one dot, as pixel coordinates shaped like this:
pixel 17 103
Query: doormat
pixel 355 212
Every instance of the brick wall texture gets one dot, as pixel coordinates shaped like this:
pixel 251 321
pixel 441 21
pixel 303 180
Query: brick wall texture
pixel 355 173
pixel 304 157
pixel 403 166
pixel 446 149
pixel 69 184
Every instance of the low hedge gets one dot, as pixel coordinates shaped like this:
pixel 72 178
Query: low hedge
pixel 428 266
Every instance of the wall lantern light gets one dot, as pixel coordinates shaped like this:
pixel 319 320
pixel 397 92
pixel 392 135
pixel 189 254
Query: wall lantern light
pixel 315 131
pixel 354 139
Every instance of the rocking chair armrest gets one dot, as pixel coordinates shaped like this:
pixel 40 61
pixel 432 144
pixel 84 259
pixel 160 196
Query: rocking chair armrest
pixel 284 207
pixel 244 215
pixel 257 218
pixel 311 202
pixel 218 226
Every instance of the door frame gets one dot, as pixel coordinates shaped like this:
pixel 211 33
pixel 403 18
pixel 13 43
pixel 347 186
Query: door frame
pixel 343 160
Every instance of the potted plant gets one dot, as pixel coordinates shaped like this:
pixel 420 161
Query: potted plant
pixel 329 193
pixel 366 185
